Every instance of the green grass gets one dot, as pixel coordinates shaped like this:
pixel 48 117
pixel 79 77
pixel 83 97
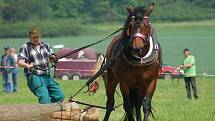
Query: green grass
pixel 174 37
pixel 169 100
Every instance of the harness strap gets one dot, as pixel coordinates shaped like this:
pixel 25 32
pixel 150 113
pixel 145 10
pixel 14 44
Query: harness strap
pixel 84 47
pixel 81 48
pixel 149 59
pixel 139 35
pixel 96 106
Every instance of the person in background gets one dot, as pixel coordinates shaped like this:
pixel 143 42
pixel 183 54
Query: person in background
pixel 14 71
pixel 34 57
pixel 189 67
pixel 7 65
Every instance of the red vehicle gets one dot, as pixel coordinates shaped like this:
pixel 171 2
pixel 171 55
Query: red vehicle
pixel 75 66
pixel 170 72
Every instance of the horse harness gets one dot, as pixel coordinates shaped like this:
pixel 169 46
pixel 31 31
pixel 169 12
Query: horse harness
pixel 149 58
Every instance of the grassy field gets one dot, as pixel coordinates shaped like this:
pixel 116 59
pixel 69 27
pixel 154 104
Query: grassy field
pixel 174 37
pixel 169 100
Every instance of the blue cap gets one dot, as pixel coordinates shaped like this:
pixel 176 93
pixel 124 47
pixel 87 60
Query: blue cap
pixel 6 47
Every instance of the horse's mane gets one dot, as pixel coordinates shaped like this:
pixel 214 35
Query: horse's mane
pixel 138 13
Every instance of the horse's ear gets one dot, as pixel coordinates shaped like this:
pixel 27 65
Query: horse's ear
pixel 129 9
pixel 149 9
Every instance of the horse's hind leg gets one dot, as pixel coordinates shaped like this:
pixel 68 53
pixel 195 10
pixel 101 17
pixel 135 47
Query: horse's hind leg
pixel 110 90
pixel 128 107
pixel 147 109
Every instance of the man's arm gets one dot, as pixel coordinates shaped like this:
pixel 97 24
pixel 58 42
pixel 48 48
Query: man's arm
pixel 23 57
pixel 186 66
pixel 192 62
pixel 23 64
pixel 53 57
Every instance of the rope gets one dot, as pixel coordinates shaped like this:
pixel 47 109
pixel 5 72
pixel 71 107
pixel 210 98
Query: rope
pixel 123 117
pixel 78 92
pixel 87 104
pixel 81 48
pixel 61 111
pixel 96 106
pixel 7 67
pixel 92 78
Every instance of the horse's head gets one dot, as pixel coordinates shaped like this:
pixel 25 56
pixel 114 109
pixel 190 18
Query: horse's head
pixel 138 29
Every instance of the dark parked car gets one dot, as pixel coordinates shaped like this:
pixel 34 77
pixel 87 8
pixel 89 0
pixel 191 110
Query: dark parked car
pixel 169 72
pixel 76 66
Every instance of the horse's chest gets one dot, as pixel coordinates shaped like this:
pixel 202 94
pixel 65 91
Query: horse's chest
pixel 129 72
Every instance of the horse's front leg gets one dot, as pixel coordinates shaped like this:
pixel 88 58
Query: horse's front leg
pixel 147 109
pixel 136 99
pixel 127 105
pixel 138 104
pixel 110 90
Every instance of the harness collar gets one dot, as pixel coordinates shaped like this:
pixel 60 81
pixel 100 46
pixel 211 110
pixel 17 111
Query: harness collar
pixel 148 59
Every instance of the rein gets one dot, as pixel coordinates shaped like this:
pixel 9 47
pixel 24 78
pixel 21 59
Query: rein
pixel 102 69
pixel 77 50
pixel 96 106
pixel 84 47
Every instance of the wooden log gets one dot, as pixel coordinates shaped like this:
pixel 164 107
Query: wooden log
pixel 48 112
pixel 26 112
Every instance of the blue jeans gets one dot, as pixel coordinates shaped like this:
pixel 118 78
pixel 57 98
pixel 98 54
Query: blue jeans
pixel 14 78
pixel 7 81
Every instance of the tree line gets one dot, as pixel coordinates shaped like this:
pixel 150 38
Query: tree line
pixel 72 17
pixel 102 10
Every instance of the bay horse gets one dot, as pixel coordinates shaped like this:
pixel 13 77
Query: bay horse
pixel 136 60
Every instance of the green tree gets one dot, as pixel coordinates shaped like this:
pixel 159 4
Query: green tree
pixel 58 8
pixel 22 10
pixel 98 10
pixel 2 5
pixel 74 8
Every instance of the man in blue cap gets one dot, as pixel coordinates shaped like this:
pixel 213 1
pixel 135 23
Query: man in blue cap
pixel 34 57
pixel 7 64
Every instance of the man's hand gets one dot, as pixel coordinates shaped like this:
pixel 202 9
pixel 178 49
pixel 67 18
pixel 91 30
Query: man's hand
pixel 53 58
pixel 179 67
pixel 29 66
pixel 23 64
